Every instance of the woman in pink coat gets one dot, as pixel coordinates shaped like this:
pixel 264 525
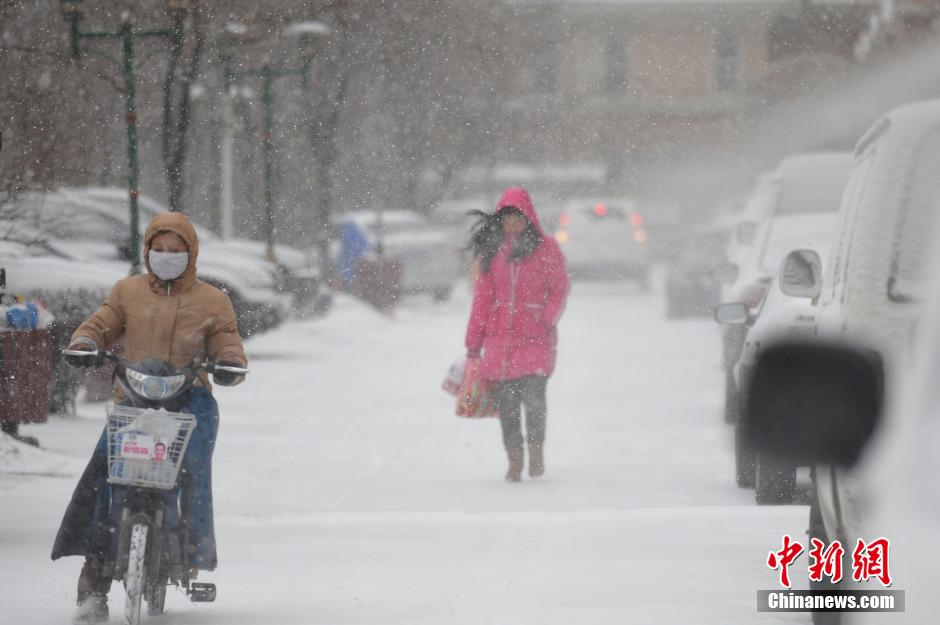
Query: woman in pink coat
pixel 518 298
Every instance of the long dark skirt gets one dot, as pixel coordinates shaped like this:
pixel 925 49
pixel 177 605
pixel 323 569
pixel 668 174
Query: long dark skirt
pixel 91 523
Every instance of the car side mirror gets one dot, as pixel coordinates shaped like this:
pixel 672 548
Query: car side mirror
pixel 814 402
pixel 725 273
pixel 800 274
pixel 746 232
pixel 733 314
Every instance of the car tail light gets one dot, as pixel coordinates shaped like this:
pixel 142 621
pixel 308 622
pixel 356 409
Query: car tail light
pixel 564 220
pixel 561 236
pixel 636 219
pixel 600 210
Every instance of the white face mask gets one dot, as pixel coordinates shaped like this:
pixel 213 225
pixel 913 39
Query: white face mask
pixel 168 265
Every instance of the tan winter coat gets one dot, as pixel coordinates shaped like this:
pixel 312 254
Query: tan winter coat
pixel 176 320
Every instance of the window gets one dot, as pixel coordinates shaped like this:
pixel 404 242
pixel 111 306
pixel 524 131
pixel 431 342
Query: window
pixel 910 261
pixel 617 74
pixel 848 216
pixel 727 60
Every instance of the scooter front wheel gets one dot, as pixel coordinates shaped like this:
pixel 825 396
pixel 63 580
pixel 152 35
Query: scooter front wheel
pixel 136 571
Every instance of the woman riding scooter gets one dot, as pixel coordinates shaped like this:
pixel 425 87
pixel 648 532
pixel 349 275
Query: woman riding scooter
pixel 169 315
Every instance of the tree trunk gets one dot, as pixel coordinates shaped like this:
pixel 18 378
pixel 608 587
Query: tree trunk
pixel 181 72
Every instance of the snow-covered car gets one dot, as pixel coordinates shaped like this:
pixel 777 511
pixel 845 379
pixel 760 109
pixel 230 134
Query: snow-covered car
pixel 873 287
pixel 602 237
pixel 430 263
pixel 294 271
pixel 786 312
pixel 790 206
pixel 35 267
pixel 85 232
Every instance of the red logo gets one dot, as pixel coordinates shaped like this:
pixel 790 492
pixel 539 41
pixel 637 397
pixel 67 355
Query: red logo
pixel 826 562
pixel 868 560
pixel 871 560
pixel 784 558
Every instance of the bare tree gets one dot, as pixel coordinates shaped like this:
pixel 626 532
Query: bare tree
pixel 182 71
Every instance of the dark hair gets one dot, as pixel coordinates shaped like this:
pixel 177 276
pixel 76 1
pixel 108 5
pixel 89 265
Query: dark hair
pixel 486 235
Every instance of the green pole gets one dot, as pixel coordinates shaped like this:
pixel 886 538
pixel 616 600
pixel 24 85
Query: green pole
pixel 267 77
pixel 133 168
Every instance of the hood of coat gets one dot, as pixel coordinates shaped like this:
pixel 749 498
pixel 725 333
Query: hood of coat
pixel 519 198
pixel 180 225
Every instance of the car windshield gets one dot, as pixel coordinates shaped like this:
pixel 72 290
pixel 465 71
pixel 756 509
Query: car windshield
pixel 820 193
pixel 916 220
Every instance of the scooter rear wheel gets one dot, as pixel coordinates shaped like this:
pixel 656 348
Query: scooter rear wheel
pixel 135 574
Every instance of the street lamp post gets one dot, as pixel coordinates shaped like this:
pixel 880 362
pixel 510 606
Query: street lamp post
pixel 306 31
pixel 71 10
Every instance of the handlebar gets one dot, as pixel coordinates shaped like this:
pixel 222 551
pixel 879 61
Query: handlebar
pixel 210 367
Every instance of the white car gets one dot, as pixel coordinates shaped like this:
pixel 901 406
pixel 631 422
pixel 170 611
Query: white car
pixel 602 237
pixel 37 267
pixel 790 207
pixel 872 294
pixel 786 312
pixel 86 231
pixel 430 262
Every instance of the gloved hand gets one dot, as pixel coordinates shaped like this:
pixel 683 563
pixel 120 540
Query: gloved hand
pixel 85 361
pixel 227 378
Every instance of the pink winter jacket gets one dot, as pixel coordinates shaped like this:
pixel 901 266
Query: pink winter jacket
pixel 517 304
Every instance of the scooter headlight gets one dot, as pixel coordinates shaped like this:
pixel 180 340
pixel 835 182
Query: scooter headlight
pixel 153 386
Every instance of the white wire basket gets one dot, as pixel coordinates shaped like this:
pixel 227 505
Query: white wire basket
pixel 146 446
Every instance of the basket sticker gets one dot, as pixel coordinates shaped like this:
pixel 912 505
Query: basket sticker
pixel 137 445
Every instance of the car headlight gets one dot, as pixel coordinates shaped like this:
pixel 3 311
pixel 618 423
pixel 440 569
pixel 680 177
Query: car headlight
pixel 154 386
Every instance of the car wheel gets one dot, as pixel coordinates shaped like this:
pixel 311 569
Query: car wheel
pixel 674 304
pixel 774 480
pixel 643 278
pixel 817 529
pixel 731 398
pixel 743 459
pixel 441 294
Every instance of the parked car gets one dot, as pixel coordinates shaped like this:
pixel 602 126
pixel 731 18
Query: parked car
pixel 786 312
pixel 38 267
pixel 602 237
pixel 798 199
pixel 429 261
pixel 872 294
pixel 294 271
pixel 86 231
pixel 691 288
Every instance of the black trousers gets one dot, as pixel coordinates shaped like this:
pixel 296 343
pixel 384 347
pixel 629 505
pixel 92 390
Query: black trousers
pixel 511 395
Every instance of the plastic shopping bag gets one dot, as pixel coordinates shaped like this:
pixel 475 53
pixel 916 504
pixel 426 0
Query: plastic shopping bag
pixel 474 396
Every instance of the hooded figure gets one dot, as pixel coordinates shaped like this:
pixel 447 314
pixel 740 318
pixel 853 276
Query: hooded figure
pixel 170 315
pixel 518 299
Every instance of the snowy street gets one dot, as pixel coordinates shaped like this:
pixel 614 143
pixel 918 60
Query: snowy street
pixel 348 492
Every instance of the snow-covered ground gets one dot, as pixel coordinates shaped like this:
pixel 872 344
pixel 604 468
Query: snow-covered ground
pixel 347 492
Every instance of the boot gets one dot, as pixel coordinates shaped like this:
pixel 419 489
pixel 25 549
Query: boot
pixel 93 590
pixel 536 460
pixel 516 462
pixel 92 609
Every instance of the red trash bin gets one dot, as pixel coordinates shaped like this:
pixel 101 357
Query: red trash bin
pixel 25 369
